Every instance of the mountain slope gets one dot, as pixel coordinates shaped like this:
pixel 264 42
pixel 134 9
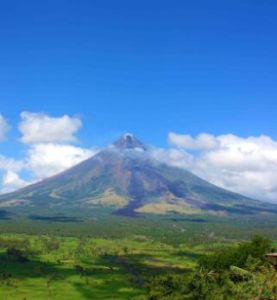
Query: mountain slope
pixel 124 178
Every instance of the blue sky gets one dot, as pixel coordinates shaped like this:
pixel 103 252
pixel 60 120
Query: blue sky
pixel 148 67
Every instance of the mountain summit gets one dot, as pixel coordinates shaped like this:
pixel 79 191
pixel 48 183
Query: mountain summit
pixel 129 141
pixel 124 179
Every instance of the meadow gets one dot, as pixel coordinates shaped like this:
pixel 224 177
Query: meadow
pixel 110 257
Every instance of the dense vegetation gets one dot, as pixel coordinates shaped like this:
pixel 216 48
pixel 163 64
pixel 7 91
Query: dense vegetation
pixel 142 259
pixel 234 272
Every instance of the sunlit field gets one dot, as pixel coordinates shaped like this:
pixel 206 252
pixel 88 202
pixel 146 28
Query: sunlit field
pixel 113 258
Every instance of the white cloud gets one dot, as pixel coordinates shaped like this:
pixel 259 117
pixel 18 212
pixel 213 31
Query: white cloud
pixel 245 165
pixel 10 164
pixel 45 160
pixel 41 161
pixel 12 181
pixel 41 128
pixel 49 151
pixel 202 141
pixel 4 127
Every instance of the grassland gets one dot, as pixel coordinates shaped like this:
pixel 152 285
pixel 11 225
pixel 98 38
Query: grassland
pixel 109 257
pixel 86 268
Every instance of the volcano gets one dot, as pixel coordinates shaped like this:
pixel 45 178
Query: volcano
pixel 125 179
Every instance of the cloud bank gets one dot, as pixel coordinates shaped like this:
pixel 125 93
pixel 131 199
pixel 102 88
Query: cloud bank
pixel 45 160
pixel 49 149
pixel 244 165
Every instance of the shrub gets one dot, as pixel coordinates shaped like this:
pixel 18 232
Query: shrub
pixel 15 255
pixel 237 256
pixel 237 272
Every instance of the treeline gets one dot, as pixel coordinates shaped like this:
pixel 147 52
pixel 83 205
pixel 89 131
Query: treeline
pixel 231 273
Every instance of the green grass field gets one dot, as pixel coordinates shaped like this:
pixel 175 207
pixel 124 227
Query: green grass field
pixel 87 268
pixel 109 258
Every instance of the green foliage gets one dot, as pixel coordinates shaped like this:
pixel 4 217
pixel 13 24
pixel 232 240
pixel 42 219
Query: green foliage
pixel 231 273
pixel 167 287
pixel 15 255
pixel 14 243
pixel 50 244
pixel 237 255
